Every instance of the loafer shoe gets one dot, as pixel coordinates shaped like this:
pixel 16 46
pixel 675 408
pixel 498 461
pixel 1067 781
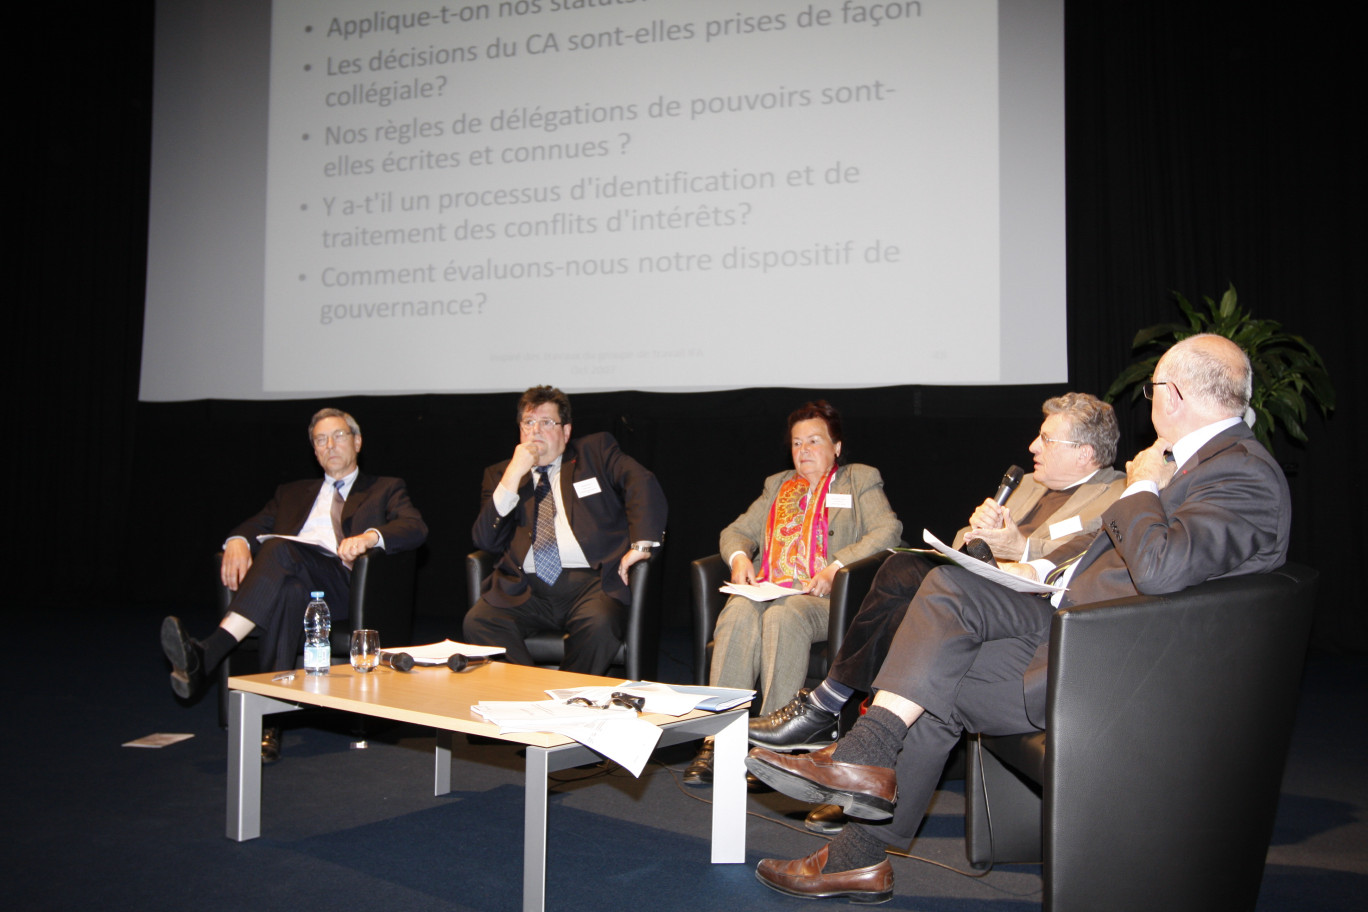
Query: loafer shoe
pixel 808 879
pixel 186 657
pixel 700 772
pixel 797 725
pixel 825 820
pixel 270 744
pixel 867 792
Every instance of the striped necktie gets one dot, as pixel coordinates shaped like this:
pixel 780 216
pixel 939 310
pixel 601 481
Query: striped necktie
pixel 545 551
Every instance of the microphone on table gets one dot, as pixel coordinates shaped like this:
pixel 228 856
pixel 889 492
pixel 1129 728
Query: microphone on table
pixel 459 662
pixel 399 661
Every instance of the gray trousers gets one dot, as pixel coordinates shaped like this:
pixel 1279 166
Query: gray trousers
pixel 768 643
pixel 961 653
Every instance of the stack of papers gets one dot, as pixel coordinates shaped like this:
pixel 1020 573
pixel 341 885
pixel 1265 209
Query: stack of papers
pixel 615 732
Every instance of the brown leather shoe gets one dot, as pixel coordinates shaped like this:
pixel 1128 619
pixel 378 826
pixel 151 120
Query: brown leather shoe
pixel 867 792
pixel 805 877
pixel 270 744
pixel 826 819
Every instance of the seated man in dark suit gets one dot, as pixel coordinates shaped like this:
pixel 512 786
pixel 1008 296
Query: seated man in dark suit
pixel 330 522
pixel 568 519
pixel 1205 501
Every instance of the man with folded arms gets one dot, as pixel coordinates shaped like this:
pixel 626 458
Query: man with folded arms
pixel 1205 501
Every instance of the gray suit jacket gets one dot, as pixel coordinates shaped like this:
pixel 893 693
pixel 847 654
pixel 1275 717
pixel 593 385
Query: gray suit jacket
pixel 1087 502
pixel 868 526
pixel 1226 513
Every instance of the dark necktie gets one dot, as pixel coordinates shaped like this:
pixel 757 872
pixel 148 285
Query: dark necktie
pixel 336 511
pixel 545 551
pixel 337 503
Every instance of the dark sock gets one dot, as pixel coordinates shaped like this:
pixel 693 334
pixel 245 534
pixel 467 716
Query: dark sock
pixel 217 647
pixel 874 741
pixel 854 847
pixel 830 695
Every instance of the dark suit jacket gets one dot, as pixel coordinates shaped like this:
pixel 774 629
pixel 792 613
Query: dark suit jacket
pixel 374 502
pixel 1227 512
pixel 628 507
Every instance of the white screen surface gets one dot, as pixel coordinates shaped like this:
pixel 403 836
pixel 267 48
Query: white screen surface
pixel 647 195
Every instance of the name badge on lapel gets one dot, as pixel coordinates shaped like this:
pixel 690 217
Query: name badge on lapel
pixel 835 501
pixel 1065 527
pixel 587 488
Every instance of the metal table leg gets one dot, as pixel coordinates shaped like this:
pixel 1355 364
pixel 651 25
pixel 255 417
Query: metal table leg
pixel 245 711
pixel 729 792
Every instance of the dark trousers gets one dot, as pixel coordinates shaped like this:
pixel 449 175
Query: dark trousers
pixel 961 653
pixel 576 604
pixel 870 634
pixel 275 592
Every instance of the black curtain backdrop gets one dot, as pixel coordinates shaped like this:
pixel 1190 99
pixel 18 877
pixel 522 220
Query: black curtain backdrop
pixel 1207 143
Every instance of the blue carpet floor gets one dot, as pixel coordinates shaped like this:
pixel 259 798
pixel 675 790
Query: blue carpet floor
pixel 92 824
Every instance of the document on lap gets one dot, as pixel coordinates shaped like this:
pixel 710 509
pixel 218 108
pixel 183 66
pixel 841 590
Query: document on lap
pixel 760 592
pixel 979 568
pixel 322 546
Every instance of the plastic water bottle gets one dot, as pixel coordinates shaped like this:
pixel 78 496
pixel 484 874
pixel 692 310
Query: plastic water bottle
pixel 317 630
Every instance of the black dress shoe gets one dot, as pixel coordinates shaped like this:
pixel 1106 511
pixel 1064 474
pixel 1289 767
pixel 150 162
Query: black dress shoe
pixel 797 725
pixel 700 771
pixel 825 820
pixel 186 657
pixel 270 744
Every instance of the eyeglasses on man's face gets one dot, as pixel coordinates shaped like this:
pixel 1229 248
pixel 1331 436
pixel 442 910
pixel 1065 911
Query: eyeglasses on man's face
pixel 544 424
pixel 1051 441
pixel 1148 388
pixel 336 437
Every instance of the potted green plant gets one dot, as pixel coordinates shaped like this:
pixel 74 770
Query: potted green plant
pixel 1287 369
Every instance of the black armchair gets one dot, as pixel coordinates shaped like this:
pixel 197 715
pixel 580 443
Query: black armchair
pixel 639 654
pixel 848 590
pixel 1169 723
pixel 382 586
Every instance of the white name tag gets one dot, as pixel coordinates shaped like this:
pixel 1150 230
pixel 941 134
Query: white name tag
pixel 587 487
pixel 1070 526
pixel 834 500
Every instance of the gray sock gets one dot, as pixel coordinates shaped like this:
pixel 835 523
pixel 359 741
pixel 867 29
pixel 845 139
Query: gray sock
pixel 830 695
pixel 874 741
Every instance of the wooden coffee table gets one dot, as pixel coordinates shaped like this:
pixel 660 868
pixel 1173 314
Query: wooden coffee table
pixel 440 699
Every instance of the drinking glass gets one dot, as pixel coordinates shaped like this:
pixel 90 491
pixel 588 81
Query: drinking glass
pixel 365 650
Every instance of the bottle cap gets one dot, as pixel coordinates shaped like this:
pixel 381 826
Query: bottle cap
pixel 316 594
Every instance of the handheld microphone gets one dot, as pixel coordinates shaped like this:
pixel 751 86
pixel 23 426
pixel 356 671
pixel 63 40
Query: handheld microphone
pixel 1009 483
pixel 980 550
pixel 399 661
pixel 459 662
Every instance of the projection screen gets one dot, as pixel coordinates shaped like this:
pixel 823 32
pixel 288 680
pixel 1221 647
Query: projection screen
pixel 672 195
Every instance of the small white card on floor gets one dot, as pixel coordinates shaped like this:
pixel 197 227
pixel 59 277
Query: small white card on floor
pixel 160 739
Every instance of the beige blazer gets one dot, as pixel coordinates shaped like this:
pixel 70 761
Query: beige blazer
pixel 1088 501
pixel 867 526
